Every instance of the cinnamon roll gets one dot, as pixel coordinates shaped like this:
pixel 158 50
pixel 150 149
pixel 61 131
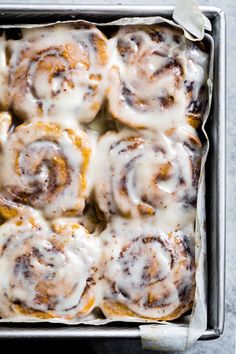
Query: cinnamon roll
pixel 58 72
pixel 147 273
pixel 140 175
pixel 46 273
pixel 46 167
pixel 154 77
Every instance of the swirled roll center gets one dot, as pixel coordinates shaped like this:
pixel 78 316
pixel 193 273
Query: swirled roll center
pixel 143 263
pixel 43 170
pixel 50 72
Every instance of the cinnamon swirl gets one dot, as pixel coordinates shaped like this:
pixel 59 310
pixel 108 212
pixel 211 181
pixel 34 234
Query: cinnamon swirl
pixel 148 273
pixel 46 166
pixel 157 77
pixel 140 175
pixel 58 72
pixel 46 273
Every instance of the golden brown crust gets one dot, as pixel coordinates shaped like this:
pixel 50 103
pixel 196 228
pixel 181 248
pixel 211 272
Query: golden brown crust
pixel 114 309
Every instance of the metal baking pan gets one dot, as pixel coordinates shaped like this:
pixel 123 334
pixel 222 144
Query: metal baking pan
pixel 215 169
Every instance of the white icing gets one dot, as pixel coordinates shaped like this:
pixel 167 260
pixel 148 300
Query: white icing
pixel 57 73
pixel 147 270
pixel 136 175
pixel 150 70
pixel 5 123
pixel 30 158
pixel 41 270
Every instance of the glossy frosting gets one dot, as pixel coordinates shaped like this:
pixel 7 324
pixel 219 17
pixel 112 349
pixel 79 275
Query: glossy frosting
pixel 140 175
pixel 148 271
pixel 45 272
pixel 48 167
pixel 58 72
pixel 158 77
